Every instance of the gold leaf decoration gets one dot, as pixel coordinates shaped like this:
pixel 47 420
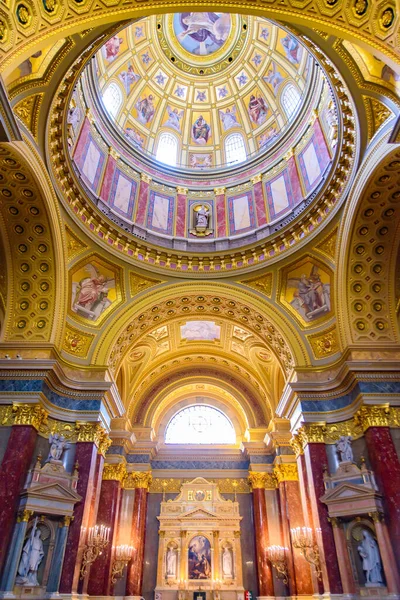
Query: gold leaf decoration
pixel 380 113
pixel 138 283
pixel 74 245
pixel 324 343
pixel 28 111
pixel 262 284
pixel 76 342
pixel 328 244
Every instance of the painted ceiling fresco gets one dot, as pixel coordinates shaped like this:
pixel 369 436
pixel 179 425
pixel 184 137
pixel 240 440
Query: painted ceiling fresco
pixel 202 77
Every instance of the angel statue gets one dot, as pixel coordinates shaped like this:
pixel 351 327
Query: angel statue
pixel 343 448
pixel 90 294
pixel 57 446
pixel 312 296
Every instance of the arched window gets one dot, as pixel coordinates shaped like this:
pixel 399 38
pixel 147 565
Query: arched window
pixel 167 149
pixel 112 99
pixel 200 424
pixel 290 99
pixel 235 150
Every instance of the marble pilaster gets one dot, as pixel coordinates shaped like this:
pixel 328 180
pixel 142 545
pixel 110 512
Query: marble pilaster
pixel 264 570
pixel 386 466
pixel 13 471
pixel 135 569
pixel 14 554
pixel 58 556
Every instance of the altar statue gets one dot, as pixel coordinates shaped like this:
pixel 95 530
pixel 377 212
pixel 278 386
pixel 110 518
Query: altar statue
pixel 202 217
pixel 32 556
pixel 171 562
pixel 57 446
pixel 343 447
pixel 371 560
pixel 227 564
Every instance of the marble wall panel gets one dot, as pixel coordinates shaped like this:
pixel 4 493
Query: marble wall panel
pixel 4 437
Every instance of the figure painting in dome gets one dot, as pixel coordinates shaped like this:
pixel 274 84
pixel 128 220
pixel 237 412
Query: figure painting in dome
pixel 257 109
pixel 93 291
pixel 311 292
pixel 128 78
pixel 292 49
pixel 202 33
pixel 174 118
pixel 267 138
pixel 199 558
pixel 229 118
pixel 145 109
pixel 134 137
pixel 273 77
pixel 201 131
pixel 112 47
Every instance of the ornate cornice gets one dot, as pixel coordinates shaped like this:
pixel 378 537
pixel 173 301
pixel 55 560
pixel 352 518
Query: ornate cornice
pixel 377 416
pixel 286 472
pixel 138 479
pixel 29 414
pixel 112 472
pixel 93 432
pixel 262 481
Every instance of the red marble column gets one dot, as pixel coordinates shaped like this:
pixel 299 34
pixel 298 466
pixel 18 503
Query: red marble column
pixel 143 198
pixel 220 212
pixel 89 468
pixel 107 515
pixel 135 568
pixel 264 569
pixel 259 201
pixel 315 460
pixel 181 205
pixel 343 558
pixel 300 580
pixel 386 466
pixel 13 471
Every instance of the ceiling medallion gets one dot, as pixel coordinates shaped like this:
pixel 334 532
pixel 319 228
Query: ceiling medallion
pixel 201 43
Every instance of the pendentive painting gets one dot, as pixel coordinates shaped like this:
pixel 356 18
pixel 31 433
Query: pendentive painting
pixel 199 556
pixel 306 290
pixel 94 289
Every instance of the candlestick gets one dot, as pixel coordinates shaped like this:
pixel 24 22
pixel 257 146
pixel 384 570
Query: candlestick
pixel 97 539
pixel 303 540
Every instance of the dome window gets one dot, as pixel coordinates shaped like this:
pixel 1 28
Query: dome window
pixel 167 149
pixel 112 99
pixel 200 424
pixel 290 100
pixel 235 150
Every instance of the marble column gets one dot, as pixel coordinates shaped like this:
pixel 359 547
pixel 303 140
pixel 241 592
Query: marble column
pixel 264 570
pixel 91 438
pixel 16 461
pixel 299 571
pixel 386 466
pixel 107 515
pixel 58 555
pixel 134 578
pixel 388 556
pixel 143 198
pixel 343 559
pixel 14 554
pixel 315 459
pixel 181 219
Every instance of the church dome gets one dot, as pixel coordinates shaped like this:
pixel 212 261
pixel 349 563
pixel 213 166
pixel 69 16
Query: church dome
pixel 206 132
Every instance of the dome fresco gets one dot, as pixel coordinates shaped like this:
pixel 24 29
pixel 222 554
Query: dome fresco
pixel 200 78
pixel 203 128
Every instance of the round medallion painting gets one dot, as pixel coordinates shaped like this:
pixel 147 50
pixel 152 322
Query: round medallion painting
pixel 199 558
pixel 202 33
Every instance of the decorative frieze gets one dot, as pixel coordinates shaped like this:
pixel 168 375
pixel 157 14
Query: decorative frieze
pixel 286 472
pixel 93 432
pixel 114 472
pixel 138 479
pixel 29 414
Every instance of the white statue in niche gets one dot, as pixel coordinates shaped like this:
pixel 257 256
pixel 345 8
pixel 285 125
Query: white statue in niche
pixel 57 446
pixel 371 560
pixel 171 562
pixel 202 216
pixel 227 563
pixel 32 556
pixel 343 448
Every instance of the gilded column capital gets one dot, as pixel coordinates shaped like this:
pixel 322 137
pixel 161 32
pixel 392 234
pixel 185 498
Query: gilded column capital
pixel 138 479
pixel 376 516
pixel 24 516
pixel 67 520
pixel 114 472
pixel 334 521
pixel 93 432
pixel 144 177
pixel 219 191
pixel 256 179
pixel 286 472
pixel 113 153
pixel 29 414
pixel 373 416
pixel 182 190
pixel 296 444
pixel 261 481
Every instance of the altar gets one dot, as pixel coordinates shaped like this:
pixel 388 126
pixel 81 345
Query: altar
pixel 199 553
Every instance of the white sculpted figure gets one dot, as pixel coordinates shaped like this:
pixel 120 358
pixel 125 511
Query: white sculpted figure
pixel 343 447
pixel 171 562
pixel 227 564
pixel 371 560
pixel 32 556
pixel 202 217
pixel 57 446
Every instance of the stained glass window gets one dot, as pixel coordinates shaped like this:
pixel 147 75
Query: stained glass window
pixel 200 424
